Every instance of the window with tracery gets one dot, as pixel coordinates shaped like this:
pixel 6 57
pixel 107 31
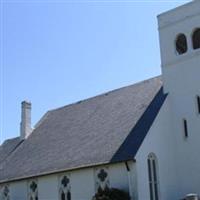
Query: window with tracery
pixel 5 193
pixel 65 188
pixel 101 179
pixel 32 190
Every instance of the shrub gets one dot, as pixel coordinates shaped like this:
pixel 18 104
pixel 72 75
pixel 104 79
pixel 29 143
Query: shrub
pixel 111 194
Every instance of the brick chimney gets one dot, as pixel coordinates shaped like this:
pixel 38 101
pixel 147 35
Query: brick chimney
pixel 25 125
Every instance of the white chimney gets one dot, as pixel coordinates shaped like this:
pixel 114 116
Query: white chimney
pixel 25 125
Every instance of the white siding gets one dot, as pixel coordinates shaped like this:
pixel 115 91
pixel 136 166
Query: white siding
pixel 182 81
pixel 48 188
pixel 82 184
pixel 18 190
pixel 160 141
pixel 118 176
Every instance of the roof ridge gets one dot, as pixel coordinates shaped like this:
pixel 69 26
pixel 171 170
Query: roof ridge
pixel 104 93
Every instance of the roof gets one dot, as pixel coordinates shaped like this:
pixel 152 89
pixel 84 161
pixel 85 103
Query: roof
pixel 91 132
pixel 9 147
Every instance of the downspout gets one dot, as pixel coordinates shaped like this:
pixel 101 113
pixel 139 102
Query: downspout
pixel 129 180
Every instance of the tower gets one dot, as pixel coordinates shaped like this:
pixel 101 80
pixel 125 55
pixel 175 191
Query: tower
pixel 179 31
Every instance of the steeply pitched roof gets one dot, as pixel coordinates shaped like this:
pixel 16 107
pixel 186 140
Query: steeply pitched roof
pixel 8 147
pixel 87 133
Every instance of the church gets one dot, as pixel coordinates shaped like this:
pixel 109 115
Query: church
pixel 143 139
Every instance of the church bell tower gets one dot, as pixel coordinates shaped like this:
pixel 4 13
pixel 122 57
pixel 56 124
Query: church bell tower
pixel 179 32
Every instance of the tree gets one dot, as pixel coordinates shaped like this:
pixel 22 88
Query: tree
pixel 111 194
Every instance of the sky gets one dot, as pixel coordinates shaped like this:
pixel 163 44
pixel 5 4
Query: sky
pixel 54 53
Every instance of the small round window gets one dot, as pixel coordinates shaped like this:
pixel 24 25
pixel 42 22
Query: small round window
pixel 181 44
pixel 196 39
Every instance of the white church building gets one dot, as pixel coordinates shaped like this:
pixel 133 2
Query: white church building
pixel 144 138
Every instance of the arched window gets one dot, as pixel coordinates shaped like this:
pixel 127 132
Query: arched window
pixel 101 179
pixel 32 190
pixel 63 196
pixel 198 103
pixel 181 44
pixel 153 177
pixel 65 189
pixel 5 193
pixel 196 39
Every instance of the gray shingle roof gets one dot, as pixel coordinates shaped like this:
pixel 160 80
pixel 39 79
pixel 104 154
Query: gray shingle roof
pixel 8 147
pixel 87 133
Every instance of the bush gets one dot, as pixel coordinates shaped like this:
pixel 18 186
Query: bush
pixel 111 194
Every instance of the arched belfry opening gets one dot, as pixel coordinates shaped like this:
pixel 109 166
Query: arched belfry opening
pixel 196 39
pixel 181 44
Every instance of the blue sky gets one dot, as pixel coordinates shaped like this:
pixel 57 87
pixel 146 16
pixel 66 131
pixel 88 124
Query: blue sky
pixel 57 52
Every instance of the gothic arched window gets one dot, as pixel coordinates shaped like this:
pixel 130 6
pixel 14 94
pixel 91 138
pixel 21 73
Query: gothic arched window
pixel 65 188
pixel 63 196
pixel 181 44
pixel 5 193
pixel 32 190
pixel 153 177
pixel 101 179
pixel 196 39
